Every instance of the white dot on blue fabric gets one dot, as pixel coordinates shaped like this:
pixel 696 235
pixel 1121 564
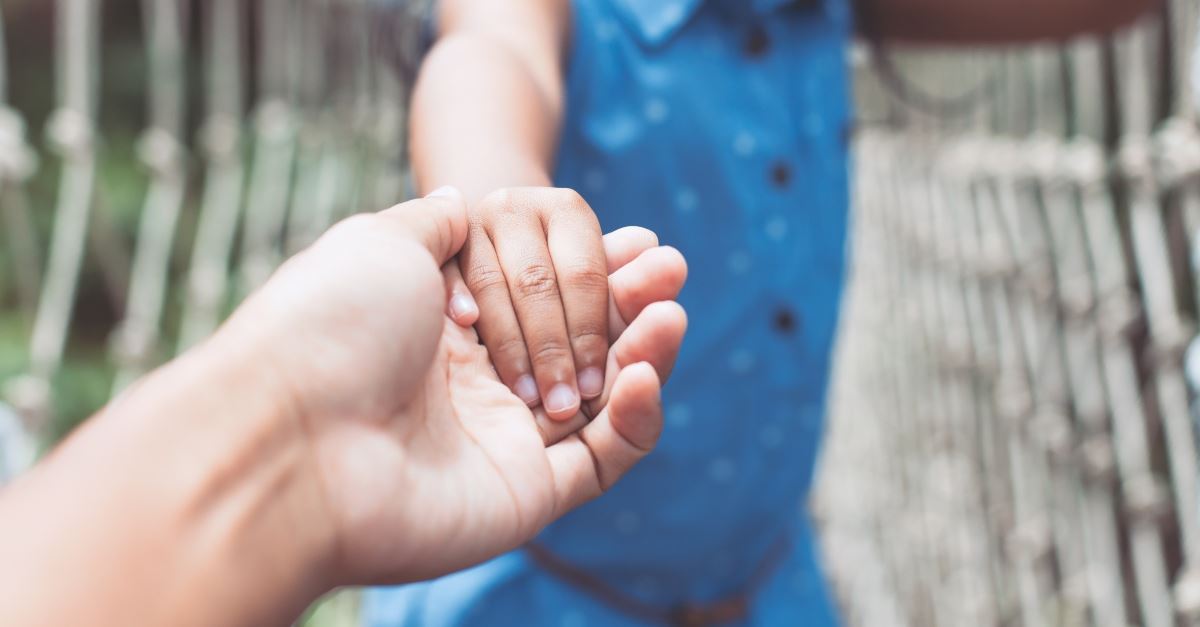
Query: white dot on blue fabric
pixel 655 110
pixel 679 416
pixel 595 180
pixel 804 582
pixel 814 124
pixel 771 436
pixel 606 30
pixel 739 262
pixel 812 418
pixel 573 618
pixel 686 199
pixel 741 361
pixel 777 228
pixel 671 12
pixel 744 144
pixel 628 522
pixel 722 470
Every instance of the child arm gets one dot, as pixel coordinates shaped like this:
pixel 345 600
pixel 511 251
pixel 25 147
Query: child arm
pixel 486 114
pixel 489 99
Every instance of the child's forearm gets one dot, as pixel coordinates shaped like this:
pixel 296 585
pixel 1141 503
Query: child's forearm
pixel 487 106
pixel 486 116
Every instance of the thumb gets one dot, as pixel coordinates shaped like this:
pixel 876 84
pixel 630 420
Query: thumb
pixel 587 463
pixel 438 221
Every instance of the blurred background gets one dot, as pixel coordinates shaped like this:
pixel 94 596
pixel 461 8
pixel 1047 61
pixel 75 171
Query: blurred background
pixel 1013 440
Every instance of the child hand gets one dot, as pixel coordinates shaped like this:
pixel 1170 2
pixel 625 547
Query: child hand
pixel 535 265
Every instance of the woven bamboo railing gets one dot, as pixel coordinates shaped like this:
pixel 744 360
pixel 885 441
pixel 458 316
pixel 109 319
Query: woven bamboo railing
pixel 1013 440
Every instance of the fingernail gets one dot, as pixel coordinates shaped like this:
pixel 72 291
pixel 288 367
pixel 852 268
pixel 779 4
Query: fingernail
pixel 561 398
pixel 462 306
pixel 526 389
pixel 445 190
pixel 591 382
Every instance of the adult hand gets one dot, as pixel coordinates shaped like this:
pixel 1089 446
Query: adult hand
pixel 427 461
pixel 339 429
pixel 641 274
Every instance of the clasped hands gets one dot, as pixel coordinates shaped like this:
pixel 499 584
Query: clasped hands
pixel 429 431
pixel 342 429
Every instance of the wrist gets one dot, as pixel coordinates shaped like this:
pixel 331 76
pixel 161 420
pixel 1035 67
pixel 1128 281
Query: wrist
pixel 517 172
pixel 265 495
pixel 196 485
pixel 233 465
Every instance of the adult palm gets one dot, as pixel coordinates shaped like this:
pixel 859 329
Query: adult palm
pixel 427 462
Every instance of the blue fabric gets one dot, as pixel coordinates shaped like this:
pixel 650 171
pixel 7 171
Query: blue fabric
pixel 733 148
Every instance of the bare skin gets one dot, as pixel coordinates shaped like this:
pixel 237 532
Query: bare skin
pixel 338 430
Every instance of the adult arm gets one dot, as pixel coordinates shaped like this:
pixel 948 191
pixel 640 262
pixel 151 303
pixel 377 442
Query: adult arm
pixel 338 430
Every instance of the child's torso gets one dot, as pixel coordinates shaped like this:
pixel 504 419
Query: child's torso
pixel 722 126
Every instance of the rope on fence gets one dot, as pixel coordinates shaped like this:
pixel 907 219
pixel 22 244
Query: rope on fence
pixel 71 132
pixel 327 140
pixel 17 163
pixel 275 142
pixel 1023 292
pixel 162 151
pixel 221 143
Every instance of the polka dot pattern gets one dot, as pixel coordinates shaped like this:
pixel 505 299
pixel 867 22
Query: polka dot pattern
pixel 771 436
pixel 744 144
pixel 628 522
pixel 741 361
pixel 686 199
pixel 595 180
pixel 606 30
pixel 678 416
pixel 722 470
pixel 777 228
pixel 739 262
pixel 656 110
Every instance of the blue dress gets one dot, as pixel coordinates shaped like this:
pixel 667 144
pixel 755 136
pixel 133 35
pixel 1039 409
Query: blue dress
pixel 722 125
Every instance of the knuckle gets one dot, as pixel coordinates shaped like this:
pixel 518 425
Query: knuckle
pixel 477 222
pixel 536 282
pixel 495 197
pixel 550 351
pixel 484 278
pixel 512 348
pixel 586 277
pixel 504 201
pixel 570 202
pixel 590 339
pixel 569 198
pixel 572 211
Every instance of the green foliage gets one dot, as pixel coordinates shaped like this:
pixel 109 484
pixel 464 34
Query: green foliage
pixel 337 609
